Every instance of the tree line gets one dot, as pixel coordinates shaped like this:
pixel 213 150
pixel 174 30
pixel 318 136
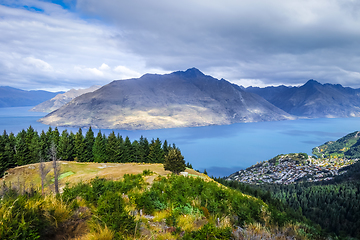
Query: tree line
pixel 336 207
pixel 29 147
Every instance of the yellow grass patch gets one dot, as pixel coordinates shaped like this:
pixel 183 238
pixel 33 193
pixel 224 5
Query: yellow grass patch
pixel 74 172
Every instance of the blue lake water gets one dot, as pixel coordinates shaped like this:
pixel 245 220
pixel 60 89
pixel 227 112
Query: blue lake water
pixel 221 150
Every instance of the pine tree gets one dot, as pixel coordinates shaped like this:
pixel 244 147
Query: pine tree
pixel 44 144
pixel 112 148
pixel 89 143
pixel 33 144
pixel 55 137
pixel 166 148
pixel 136 151
pixel 79 147
pixel 144 149
pixel 156 153
pixel 128 151
pixel 99 149
pixel 3 161
pixel 121 151
pixel 174 161
pixel 65 148
pixel 9 152
pixel 49 135
pixel 22 151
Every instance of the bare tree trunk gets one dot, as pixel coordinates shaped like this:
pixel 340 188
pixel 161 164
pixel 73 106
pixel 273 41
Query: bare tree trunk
pixel 56 167
pixel 43 172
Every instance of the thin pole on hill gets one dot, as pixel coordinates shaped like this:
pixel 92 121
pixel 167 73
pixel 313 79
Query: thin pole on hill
pixel 56 167
pixel 43 172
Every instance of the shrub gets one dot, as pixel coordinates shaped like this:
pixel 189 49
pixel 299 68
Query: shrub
pixel 110 211
pixel 21 218
pixel 209 231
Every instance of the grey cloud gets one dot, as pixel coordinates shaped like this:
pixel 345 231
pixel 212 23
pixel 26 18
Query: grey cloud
pixel 277 41
pixel 254 42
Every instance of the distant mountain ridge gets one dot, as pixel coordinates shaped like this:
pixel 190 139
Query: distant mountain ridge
pixel 179 99
pixel 61 99
pixel 13 97
pixel 313 99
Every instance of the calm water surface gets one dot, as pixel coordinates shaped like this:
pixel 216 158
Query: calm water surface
pixel 221 150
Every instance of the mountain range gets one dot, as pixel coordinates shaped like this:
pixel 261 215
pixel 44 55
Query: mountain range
pixel 179 99
pixel 313 99
pixel 13 97
pixel 61 99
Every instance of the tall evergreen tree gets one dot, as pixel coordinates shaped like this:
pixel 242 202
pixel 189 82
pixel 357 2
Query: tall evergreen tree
pixel 99 149
pixel 44 145
pixel 144 149
pixel 128 151
pixel 7 159
pixel 33 144
pixel 136 151
pixel 3 160
pixel 174 161
pixel 89 143
pixel 121 153
pixel 49 135
pixel 22 151
pixel 113 148
pixel 79 147
pixel 10 144
pixel 166 147
pixel 55 137
pixel 156 153
pixel 65 149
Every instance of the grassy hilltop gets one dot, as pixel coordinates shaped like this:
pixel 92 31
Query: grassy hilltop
pixel 136 201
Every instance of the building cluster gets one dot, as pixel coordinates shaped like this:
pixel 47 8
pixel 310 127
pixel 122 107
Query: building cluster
pixel 286 170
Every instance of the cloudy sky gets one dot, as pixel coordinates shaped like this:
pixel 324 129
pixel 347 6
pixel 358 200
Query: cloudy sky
pixel 58 45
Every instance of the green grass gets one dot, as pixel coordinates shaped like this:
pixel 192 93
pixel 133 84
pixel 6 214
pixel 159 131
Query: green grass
pixel 64 175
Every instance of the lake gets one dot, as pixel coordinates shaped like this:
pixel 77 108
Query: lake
pixel 221 150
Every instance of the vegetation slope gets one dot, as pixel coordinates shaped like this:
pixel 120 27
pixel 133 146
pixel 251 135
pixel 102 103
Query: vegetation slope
pixel 333 204
pixel 148 205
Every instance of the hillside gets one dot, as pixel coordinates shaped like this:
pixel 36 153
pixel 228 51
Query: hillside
pixel 347 146
pixel 76 172
pixel 179 99
pixel 13 97
pixel 61 99
pixel 142 206
pixel 325 189
pixel 313 99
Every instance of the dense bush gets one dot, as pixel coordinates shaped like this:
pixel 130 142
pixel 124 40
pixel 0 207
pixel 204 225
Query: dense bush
pixel 209 231
pixel 21 218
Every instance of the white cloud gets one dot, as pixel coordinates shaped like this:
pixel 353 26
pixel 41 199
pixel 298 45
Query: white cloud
pixel 38 64
pixel 126 72
pixel 104 67
pixel 58 48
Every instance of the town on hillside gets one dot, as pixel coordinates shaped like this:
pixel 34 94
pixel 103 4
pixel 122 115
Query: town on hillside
pixel 292 168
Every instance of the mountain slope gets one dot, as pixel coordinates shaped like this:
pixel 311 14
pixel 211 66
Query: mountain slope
pixel 13 97
pixel 61 99
pixel 347 146
pixel 313 99
pixel 179 99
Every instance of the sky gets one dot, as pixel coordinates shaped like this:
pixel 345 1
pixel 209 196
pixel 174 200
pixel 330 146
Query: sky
pixel 59 45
